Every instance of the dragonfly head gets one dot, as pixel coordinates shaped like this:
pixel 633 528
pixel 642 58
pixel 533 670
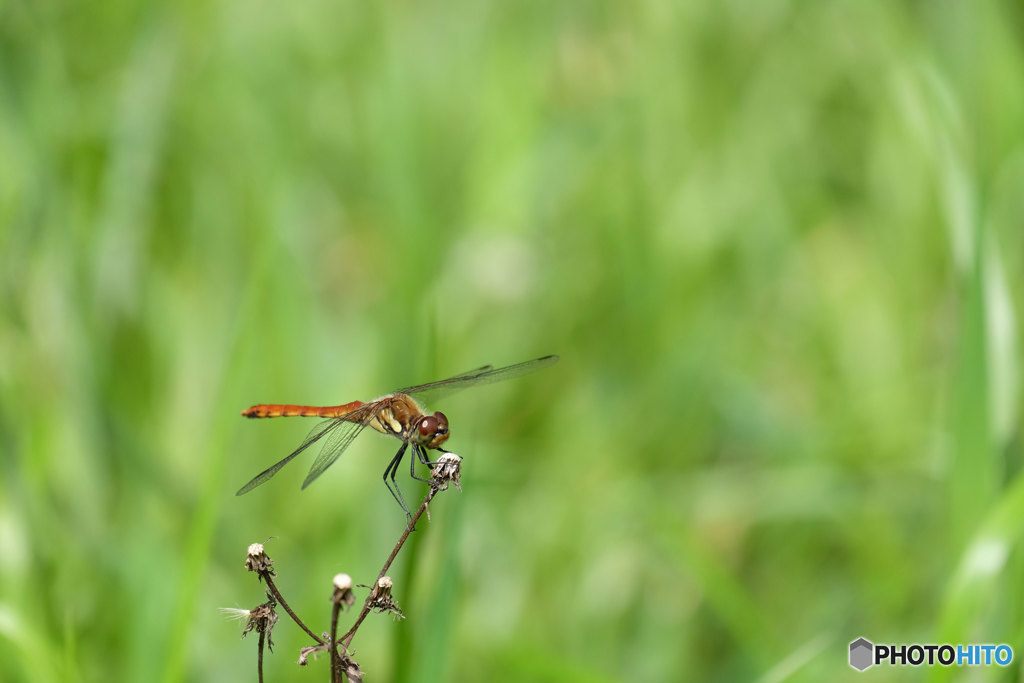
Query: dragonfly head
pixel 432 430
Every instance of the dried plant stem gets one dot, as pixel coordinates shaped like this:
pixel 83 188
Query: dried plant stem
pixel 444 472
pixel 287 608
pixel 335 611
pixel 346 640
pixel 259 656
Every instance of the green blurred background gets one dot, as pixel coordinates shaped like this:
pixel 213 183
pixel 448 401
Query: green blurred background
pixel 777 245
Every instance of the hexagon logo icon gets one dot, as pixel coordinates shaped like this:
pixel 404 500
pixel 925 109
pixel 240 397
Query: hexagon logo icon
pixel 861 651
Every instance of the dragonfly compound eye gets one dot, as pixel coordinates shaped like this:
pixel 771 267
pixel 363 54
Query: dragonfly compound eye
pixel 433 430
pixel 442 423
pixel 428 426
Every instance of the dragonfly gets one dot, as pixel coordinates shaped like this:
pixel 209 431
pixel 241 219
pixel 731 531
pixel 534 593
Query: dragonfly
pixel 397 414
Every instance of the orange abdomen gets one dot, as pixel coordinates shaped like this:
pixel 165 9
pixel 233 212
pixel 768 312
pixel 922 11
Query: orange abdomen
pixel 288 410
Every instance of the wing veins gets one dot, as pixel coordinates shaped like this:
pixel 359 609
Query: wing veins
pixel 487 374
pixel 337 444
pixel 317 433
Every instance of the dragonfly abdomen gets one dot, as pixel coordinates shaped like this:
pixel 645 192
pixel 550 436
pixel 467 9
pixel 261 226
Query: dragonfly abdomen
pixel 288 410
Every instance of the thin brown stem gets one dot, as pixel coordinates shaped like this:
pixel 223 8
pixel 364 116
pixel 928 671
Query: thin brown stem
pixel 346 640
pixel 280 599
pixel 334 641
pixel 259 656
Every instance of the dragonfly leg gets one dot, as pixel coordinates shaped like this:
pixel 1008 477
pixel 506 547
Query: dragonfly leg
pixel 422 456
pixel 396 492
pixel 425 459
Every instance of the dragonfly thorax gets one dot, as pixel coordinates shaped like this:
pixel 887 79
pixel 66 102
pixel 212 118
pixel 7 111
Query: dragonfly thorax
pixel 402 417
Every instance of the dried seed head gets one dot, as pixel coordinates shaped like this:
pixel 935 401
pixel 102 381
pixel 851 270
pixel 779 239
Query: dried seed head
pixel 446 471
pixel 348 667
pixel 381 600
pixel 256 560
pixel 343 582
pixel 343 594
pixel 262 619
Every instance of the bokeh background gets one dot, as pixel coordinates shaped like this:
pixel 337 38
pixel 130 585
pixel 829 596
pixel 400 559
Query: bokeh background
pixel 777 244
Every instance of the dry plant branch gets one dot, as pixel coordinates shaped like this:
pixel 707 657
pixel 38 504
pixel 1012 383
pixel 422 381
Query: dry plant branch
pixel 445 472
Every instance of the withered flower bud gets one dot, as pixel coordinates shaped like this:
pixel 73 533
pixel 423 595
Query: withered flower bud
pixel 381 600
pixel 446 471
pixel 305 652
pixel 343 594
pixel 256 560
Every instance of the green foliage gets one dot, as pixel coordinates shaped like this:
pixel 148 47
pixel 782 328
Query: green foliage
pixel 776 244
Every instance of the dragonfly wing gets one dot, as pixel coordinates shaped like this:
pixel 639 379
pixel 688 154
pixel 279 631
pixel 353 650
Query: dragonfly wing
pixel 336 445
pixel 486 375
pixel 464 376
pixel 318 432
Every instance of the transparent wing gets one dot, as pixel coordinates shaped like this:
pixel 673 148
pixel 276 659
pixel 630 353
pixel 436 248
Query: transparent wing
pixel 322 429
pixel 486 375
pixel 339 441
